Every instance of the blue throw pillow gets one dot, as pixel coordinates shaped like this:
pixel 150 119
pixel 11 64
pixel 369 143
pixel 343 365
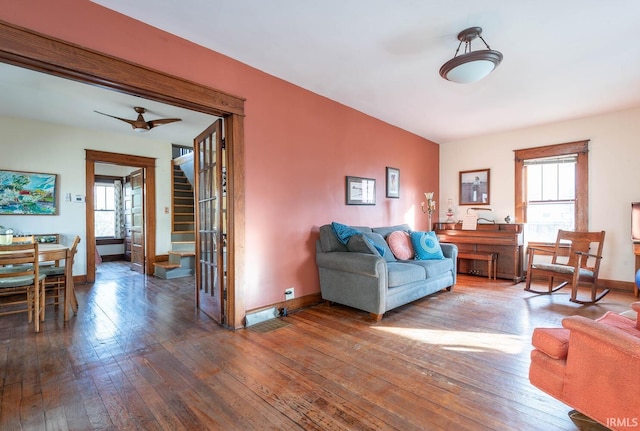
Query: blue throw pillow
pixel 426 245
pixel 343 232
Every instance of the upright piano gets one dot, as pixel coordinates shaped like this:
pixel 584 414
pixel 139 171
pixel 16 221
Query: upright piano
pixel 502 239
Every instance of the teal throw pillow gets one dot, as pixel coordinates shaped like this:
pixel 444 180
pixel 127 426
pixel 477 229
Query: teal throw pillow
pixel 426 245
pixel 343 232
pixel 361 244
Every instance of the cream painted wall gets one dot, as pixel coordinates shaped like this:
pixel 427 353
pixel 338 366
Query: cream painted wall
pixel 614 177
pixel 34 146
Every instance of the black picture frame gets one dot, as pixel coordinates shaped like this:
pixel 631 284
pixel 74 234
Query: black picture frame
pixel 393 182
pixel 360 191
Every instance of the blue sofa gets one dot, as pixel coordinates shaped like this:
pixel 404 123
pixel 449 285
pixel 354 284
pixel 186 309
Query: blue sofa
pixel 378 283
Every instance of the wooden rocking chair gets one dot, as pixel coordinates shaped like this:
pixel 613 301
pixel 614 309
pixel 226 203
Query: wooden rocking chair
pixel 575 261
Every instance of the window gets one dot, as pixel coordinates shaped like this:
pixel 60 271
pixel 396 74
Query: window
pixel 552 189
pixel 550 203
pixel 104 209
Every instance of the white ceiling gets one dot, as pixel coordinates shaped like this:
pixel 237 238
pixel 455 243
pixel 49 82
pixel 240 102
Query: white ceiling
pixel 38 96
pixel 562 59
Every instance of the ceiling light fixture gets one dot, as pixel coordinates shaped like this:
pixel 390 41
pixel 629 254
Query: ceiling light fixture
pixel 470 66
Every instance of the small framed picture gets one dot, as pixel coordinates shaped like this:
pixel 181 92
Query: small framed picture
pixel 361 191
pixel 393 182
pixel 474 187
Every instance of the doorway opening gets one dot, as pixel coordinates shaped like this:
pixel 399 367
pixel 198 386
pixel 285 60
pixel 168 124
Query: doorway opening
pixel 143 245
pixel 28 49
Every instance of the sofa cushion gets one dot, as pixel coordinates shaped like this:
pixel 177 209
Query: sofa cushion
pixel 426 245
pixel 433 267
pixel 400 274
pixel 554 342
pixel 329 241
pixel 361 244
pixel 343 232
pixel 400 244
pixel 379 242
pixel 386 230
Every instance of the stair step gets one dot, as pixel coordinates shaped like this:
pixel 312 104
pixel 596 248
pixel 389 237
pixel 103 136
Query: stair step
pixel 183 252
pixel 166 265
pixel 188 247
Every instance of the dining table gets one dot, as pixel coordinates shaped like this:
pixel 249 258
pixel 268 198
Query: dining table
pixel 48 252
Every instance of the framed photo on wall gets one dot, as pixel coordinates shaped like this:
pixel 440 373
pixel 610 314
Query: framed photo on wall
pixel 474 187
pixel 393 182
pixel 28 193
pixel 361 191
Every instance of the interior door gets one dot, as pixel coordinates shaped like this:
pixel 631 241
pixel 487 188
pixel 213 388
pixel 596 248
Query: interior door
pixel 210 222
pixel 137 222
pixel 128 218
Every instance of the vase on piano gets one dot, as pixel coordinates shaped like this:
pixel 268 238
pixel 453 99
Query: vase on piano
pixel 450 213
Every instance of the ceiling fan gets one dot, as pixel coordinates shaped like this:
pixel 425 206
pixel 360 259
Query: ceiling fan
pixel 140 124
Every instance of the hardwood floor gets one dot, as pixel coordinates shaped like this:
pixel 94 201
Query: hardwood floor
pixel 137 356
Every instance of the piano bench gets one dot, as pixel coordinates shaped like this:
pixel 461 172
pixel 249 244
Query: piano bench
pixel 490 258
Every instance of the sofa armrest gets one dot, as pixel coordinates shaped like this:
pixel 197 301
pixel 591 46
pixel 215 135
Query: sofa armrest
pixel 355 263
pixel 449 250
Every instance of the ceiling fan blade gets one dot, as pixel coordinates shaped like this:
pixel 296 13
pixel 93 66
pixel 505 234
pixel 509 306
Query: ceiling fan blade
pixel 132 122
pixel 161 121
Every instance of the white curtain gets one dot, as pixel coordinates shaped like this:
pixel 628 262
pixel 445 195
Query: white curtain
pixel 118 209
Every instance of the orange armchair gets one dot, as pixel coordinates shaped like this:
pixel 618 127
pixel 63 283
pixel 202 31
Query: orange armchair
pixel 592 366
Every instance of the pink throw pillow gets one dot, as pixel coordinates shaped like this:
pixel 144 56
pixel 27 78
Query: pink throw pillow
pixel 400 244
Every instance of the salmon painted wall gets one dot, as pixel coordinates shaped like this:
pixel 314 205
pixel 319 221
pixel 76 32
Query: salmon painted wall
pixel 299 146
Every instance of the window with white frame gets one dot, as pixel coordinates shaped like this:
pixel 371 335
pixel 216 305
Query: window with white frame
pixel 104 210
pixel 551 197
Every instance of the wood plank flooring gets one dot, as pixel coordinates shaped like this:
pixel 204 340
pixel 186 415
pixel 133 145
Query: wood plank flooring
pixel 137 356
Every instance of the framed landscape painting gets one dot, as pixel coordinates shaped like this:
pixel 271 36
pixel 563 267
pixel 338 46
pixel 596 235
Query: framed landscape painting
pixel 28 193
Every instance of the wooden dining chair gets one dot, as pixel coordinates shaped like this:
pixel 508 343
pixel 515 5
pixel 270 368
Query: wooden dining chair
pixel 21 284
pixel 56 277
pixel 575 261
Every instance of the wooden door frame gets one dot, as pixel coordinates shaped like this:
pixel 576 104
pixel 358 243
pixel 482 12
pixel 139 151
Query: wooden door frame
pixel 149 165
pixel 26 48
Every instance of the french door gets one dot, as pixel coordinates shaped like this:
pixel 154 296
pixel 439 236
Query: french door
pixel 137 222
pixel 210 221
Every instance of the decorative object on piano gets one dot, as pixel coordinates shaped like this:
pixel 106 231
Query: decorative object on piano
pixel 393 182
pixel 431 206
pixel 28 193
pixel 474 187
pixel 508 219
pixel 485 215
pixel 450 212
pixel 470 222
pixel 361 191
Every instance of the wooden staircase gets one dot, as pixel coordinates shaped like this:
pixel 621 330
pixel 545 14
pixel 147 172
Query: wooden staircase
pixel 181 261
